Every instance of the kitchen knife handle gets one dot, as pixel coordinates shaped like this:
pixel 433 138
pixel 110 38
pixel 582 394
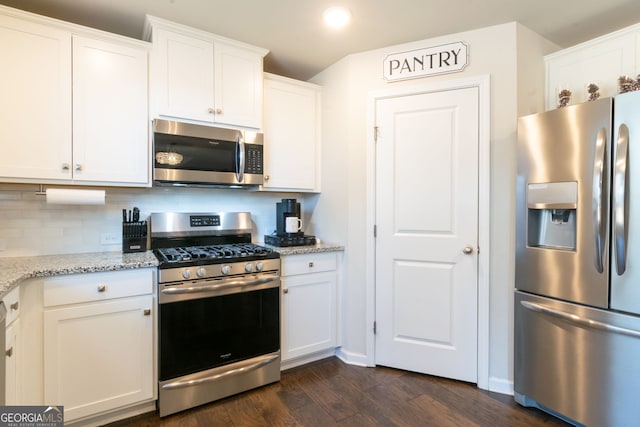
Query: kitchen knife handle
pixel 621 200
pixel 599 196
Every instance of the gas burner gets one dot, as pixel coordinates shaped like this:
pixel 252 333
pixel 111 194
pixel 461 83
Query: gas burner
pixel 211 253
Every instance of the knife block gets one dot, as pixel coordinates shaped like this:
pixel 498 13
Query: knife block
pixel 134 236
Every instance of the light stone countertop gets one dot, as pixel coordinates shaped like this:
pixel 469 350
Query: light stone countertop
pixel 311 249
pixel 15 270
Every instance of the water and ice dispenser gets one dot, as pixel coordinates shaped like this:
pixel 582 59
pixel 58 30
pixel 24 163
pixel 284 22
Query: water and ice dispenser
pixel 552 211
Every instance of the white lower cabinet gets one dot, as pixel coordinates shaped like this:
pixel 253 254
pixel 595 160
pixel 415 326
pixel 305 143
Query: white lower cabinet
pixel 99 341
pixel 12 349
pixel 309 316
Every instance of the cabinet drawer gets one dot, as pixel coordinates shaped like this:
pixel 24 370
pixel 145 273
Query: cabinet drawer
pixel 12 304
pixel 97 286
pixel 308 263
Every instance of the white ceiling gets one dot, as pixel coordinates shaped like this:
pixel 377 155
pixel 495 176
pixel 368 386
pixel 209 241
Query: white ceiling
pixel 300 46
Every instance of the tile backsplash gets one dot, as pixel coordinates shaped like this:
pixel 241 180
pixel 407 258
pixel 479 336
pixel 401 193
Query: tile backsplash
pixel 29 226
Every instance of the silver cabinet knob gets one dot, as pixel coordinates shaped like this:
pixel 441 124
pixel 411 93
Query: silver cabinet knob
pixel 147 312
pixel 468 250
pixel 211 111
pixel 311 264
pixel 218 110
pixel 102 288
pixel 15 306
pixel 78 167
pixel 9 352
pixel 285 291
pixel 65 166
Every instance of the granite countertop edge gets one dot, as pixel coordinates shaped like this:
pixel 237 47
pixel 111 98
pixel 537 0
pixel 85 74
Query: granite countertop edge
pixel 14 270
pixel 312 249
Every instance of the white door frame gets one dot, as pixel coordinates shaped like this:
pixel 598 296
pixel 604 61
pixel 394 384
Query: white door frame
pixel 484 185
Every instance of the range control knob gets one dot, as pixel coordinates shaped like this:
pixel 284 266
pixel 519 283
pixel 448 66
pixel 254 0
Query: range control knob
pixel 248 268
pixel 259 266
pixel 225 269
pixel 201 272
pixel 186 274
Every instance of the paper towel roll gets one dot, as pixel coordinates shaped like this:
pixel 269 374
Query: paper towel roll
pixel 64 196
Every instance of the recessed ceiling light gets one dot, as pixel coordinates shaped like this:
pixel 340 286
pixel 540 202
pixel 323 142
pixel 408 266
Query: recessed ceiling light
pixel 337 16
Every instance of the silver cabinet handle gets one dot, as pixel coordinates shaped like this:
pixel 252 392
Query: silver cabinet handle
pixel 582 321
pixel 468 250
pixel 599 195
pixel 621 200
pixel 102 288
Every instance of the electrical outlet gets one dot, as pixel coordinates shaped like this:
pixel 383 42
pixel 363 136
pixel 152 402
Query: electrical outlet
pixel 110 238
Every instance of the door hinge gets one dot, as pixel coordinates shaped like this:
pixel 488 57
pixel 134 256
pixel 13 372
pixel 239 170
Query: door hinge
pixel 375 133
pixel 375 231
pixel 375 327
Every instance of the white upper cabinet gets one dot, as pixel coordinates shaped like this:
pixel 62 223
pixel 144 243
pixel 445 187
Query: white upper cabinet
pixel 198 76
pixel 291 135
pixel 601 61
pixel 110 114
pixel 35 104
pixel 74 104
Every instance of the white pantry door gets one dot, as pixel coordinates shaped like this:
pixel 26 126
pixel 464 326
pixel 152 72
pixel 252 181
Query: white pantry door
pixel 427 232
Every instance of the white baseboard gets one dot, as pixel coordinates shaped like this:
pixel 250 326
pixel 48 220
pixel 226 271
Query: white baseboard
pixel 500 385
pixel 357 359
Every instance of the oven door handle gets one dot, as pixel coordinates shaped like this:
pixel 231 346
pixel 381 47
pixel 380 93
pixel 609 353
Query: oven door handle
pixel 241 368
pixel 220 286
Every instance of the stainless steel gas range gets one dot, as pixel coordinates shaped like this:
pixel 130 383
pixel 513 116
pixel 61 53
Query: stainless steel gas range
pixel 219 308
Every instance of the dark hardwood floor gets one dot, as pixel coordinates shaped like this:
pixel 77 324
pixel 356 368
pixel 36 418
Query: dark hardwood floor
pixel 332 393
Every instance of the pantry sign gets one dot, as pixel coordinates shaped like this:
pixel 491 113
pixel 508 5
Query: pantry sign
pixel 443 59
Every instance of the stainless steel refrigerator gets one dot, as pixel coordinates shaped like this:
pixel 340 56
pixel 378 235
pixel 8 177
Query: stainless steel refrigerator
pixel 577 299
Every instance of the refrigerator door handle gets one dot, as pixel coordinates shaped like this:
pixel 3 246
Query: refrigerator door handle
pixel 580 321
pixel 598 196
pixel 621 200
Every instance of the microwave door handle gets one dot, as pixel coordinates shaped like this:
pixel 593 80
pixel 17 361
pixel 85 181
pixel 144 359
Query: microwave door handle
pixel 598 197
pixel 621 200
pixel 240 160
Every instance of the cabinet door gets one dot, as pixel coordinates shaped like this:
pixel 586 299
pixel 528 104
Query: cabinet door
pixel 35 100
pixel 12 364
pixel 291 136
pixel 308 314
pixel 182 76
pixel 238 86
pixel 99 356
pixel 110 114
pixel 601 61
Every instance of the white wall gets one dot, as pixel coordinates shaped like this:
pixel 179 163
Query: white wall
pixel 494 51
pixel 28 226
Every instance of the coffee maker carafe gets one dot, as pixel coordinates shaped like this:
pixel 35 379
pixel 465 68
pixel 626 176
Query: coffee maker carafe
pixel 288 218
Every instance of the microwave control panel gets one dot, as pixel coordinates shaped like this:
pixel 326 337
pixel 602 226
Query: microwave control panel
pixel 254 159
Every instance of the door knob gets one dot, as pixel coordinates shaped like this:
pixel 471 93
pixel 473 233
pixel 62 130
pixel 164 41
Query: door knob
pixel 468 250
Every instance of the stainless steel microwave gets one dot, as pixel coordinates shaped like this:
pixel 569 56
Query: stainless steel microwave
pixel 191 154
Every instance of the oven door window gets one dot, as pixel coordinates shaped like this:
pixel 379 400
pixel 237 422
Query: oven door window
pixel 205 333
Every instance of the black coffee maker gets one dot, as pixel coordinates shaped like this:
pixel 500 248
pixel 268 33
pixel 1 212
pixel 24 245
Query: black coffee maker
pixel 289 226
pixel 288 208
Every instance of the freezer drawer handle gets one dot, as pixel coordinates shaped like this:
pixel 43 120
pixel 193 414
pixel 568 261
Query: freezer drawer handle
pixel 581 321
pixel 621 200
